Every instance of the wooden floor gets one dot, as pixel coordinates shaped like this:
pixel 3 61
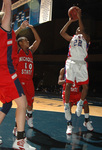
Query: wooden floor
pixel 56 105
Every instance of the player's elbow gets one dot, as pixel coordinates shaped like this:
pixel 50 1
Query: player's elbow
pixel 59 83
pixel 61 33
pixel 39 41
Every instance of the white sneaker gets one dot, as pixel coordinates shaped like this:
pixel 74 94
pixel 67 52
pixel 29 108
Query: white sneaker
pixel 88 125
pixel 22 144
pixel 79 108
pixel 29 121
pixel 67 113
pixel 69 129
pixel 14 131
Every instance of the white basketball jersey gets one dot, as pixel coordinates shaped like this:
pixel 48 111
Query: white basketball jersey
pixel 78 48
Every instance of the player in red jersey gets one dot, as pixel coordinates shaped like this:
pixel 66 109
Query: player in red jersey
pixel 10 87
pixel 25 69
pixel 75 95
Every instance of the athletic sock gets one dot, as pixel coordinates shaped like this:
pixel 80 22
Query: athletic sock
pixel 86 117
pixel 69 123
pixel 21 135
pixel 29 113
pixel 67 105
pixel 81 101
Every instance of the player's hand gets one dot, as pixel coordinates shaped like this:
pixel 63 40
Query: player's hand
pixel 71 19
pixel 24 24
pixel 30 26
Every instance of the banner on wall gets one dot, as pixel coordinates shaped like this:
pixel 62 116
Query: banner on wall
pixel 45 11
pixel 35 11
pixel 19 3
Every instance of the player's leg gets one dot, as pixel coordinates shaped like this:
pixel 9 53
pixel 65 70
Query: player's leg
pixel 67 105
pixel 69 124
pixel 30 93
pixel 29 115
pixel 3 112
pixel 83 79
pixel 20 112
pixel 21 141
pixel 69 82
pixel 84 91
pixel 87 122
pixel 81 101
pixel 29 118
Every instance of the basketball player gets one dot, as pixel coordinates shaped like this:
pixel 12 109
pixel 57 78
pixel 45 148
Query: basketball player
pixel 10 87
pixel 76 66
pixel 25 69
pixel 75 95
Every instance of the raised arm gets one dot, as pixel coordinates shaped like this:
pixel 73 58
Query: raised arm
pixel 63 32
pixel 22 26
pixel 6 20
pixel 37 41
pixel 61 81
pixel 82 29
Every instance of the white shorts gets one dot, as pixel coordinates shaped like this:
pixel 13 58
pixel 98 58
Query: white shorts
pixel 76 70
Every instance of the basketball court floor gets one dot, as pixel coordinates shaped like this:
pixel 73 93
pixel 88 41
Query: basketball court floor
pixel 49 132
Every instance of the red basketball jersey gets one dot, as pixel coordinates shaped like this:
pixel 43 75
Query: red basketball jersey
pixel 74 89
pixel 8 50
pixel 10 87
pixel 75 93
pixel 25 66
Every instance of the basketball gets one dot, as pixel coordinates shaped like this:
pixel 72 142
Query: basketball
pixel 72 12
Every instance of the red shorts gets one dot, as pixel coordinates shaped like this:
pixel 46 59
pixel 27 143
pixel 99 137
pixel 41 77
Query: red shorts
pixel 10 87
pixel 29 90
pixel 74 98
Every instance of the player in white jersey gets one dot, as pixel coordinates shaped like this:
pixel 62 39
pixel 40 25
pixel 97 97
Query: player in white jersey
pixel 76 66
pixel 78 48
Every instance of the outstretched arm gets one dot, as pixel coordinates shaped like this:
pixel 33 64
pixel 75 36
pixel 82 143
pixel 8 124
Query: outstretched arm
pixel 82 29
pixel 61 81
pixel 6 20
pixel 37 41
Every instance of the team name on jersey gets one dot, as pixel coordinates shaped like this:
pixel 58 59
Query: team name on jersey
pixel 27 59
pixel 25 71
pixel 74 89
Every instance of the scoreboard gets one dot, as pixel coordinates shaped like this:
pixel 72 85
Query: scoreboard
pixel 35 11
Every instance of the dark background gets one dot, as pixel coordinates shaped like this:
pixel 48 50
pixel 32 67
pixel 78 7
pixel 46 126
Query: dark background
pixel 52 52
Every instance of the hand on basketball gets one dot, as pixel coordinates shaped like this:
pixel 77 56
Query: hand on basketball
pixel 72 20
pixel 79 13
